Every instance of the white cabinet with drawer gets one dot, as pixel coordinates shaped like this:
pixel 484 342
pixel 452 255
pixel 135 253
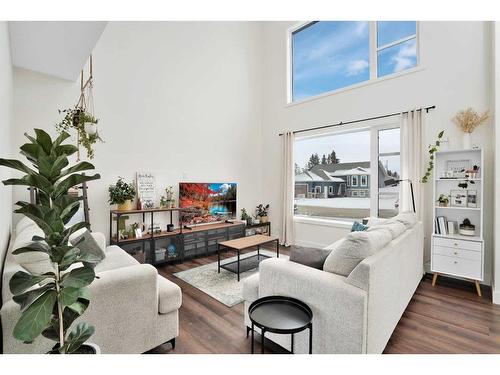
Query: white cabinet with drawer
pixel 453 253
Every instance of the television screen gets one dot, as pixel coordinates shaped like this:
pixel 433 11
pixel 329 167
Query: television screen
pixel 207 202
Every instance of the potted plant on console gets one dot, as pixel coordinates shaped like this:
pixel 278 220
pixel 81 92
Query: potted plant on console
pixel 245 216
pixel 51 301
pixel 261 213
pixel 122 194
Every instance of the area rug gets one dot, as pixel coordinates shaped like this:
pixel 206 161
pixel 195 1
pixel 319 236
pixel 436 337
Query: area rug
pixel 223 286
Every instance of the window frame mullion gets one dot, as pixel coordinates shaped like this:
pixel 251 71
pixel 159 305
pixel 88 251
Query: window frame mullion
pixel 373 50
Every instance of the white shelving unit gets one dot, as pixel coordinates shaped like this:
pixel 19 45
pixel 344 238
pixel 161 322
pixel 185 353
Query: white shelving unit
pixel 456 254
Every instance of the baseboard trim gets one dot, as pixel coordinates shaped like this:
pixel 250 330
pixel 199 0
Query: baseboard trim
pixel 495 295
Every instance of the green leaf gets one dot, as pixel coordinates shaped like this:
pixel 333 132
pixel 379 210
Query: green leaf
pixel 60 139
pixel 60 163
pixel 21 281
pixel 441 133
pixel 77 337
pixel 36 317
pixel 31 151
pixel 16 164
pixel 69 211
pixel 44 140
pixel 35 213
pixel 70 257
pixel 78 278
pixel 78 308
pixel 69 296
pixel 72 180
pixel 29 297
pixel 66 150
pixel 82 166
pixel 33 247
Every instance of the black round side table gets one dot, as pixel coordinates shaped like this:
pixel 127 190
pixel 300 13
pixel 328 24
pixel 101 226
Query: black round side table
pixel 283 315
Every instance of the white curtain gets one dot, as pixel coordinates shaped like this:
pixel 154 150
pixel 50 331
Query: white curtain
pixel 412 160
pixel 287 167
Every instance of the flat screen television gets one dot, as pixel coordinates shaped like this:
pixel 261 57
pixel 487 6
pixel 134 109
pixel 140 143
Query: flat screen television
pixel 207 202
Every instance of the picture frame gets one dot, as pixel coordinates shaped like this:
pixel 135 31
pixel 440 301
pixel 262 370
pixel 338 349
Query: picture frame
pixel 138 233
pixel 472 198
pixel 458 167
pixel 458 198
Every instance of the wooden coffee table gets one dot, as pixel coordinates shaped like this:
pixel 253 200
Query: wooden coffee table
pixel 242 265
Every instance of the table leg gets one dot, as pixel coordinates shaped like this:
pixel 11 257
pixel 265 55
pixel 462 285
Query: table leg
pixel 252 338
pixel 291 346
pixel 262 332
pixel 238 266
pixel 277 248
pixel 258 252
pixel 310 338
pixel 218 258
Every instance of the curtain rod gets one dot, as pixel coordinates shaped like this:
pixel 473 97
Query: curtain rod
pixel 427 109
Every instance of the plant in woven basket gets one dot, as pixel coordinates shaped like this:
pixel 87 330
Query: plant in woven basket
pixel 50 302
pixel 468 120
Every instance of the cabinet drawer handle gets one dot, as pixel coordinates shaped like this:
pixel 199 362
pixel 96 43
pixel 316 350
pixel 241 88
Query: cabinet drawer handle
pixel 455 262
pixel 455 253
pixel 455 244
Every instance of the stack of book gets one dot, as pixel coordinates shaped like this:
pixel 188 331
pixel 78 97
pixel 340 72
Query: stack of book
pixel 441 225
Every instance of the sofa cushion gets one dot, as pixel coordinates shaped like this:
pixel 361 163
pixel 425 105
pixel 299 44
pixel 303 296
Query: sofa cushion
pixel 23 224
pixel 169 296
pixel 408 218
pixel 116 257
pixel 35 262
pixel 88 244
pixel 309 256
pixel 348 252
pixel 396 228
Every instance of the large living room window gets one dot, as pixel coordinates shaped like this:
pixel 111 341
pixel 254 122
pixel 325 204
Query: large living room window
pixel 326 56
pixel 360 170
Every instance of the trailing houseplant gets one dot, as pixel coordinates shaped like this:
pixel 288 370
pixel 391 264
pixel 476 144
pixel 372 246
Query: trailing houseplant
pixel 84 123
pixel 50 302
pixel 122 194
pixel 432 150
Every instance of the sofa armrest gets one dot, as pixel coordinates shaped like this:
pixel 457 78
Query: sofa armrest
pixel 339 309
pixel 251 288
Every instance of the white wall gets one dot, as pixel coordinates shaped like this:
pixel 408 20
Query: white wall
pixel 456 65
pixel 496 104
pixel 5 131
pixel 180 99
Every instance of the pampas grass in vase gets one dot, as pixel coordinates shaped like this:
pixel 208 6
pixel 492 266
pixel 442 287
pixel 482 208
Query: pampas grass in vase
pixel 469 120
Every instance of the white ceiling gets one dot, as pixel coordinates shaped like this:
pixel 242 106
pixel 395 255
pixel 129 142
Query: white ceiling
pixel 57 48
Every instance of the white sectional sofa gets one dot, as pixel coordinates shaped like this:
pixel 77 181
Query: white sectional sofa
pixel 133 308
pixel 353 314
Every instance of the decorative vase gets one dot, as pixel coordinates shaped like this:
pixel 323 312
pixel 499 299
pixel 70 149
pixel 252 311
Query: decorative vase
pixel 466 141
pixel 264 219
pixel 125 206
pixel 90 128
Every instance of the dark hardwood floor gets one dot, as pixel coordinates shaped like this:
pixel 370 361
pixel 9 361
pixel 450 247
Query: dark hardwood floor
pixel 448 318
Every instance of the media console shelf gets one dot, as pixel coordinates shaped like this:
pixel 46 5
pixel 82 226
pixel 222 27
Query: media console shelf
pixel 181 243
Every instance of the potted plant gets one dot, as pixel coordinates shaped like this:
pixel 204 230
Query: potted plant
pixel 50 302
pixel 169 191
pixel 163 202
pixel 122 194
pixel 443 200
pixel 469 120
pixel 245 216
pixel 262 212
pixel 85 125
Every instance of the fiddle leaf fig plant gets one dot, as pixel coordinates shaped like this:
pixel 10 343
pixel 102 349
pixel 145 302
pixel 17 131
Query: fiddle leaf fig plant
pixel 50 302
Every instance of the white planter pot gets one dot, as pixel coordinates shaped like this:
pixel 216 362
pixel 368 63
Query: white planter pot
pixel 90 128
pixel 466 141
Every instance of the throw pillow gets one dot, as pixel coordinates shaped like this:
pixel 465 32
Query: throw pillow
pixel 348 252
pixel 396 228
pixel 358 227
pixel 407 218
pixel 309 256
pixel 88 244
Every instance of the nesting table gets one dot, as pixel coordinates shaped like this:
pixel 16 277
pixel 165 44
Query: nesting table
pixel 239 244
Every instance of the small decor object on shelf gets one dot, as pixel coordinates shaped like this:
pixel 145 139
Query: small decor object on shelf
pixel 261 212
pixel 170 201
pixel 443 200
pixel 458 167
pixel 171 251
pixel 122 194
pixel 468 120
pixel 170 227
pixel 466 228
pixel 432 150
pixel 472 198
pixel 163 202
pixel 133 230
pixel 146 189
pixel 246 217
pixel 451 227
pixel 458 198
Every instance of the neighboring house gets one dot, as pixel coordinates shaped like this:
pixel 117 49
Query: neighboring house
pixel 339 180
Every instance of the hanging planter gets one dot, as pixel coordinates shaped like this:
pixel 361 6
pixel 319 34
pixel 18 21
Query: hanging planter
pixel 81 118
